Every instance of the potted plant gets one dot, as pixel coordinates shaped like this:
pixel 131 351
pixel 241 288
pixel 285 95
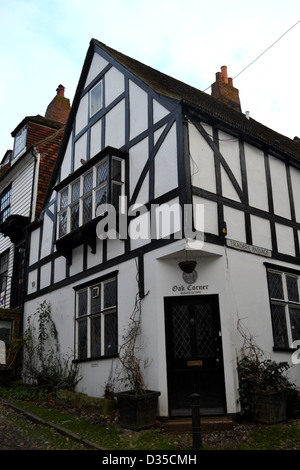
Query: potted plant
pixel 137 404
pixel 263 385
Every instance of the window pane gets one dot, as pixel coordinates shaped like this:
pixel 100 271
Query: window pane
pixel 96 98
pixel 96 299
pixel 110 293
pixel 64 199
pixel 5 200
pixel 279 327
pixel 87 209
pixel 88 183
pixel 102 173
pixel 275 285
pixel 116 193
pixel 75 191
pixel 75 217
pixel 63 219
pixel 295 323
pixel 20 141
pixel 96 336
pixel 292 288
pixel 3 272
pixel 5 331
pixel 116 170
pixel 110 327
pixel 82 303
pixel 101 199
pixel 5 206
pixel 82 339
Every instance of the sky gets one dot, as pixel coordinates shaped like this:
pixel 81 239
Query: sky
pixel 44 44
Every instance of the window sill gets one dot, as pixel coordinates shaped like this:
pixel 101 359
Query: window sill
pixel 94 359
pixel 287 349
pixel 86 234
pixel 13 227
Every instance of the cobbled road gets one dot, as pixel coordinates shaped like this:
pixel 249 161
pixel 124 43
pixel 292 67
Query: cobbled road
pixel 19 433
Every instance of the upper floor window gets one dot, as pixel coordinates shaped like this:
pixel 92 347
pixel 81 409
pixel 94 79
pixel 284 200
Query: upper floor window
pixel 5 205
pixel 285 307
pixel 3 275
pixel 96 98
pixel 20 142
pixel 86 196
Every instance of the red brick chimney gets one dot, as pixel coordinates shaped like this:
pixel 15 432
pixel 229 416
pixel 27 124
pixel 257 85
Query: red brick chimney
pixel 222 89
pixel 59 108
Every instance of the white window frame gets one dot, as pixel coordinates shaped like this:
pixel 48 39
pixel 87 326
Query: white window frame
pixel 20 143
pixel 5 200
pixel 89 316
pixel 95 187
pixel 285 303
pixel 94 107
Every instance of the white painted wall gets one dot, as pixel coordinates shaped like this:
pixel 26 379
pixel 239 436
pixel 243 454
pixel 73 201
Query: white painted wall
pixel 257 187
pixel 138 100
pixel 97 65
pixel 165 164
pixel 21 191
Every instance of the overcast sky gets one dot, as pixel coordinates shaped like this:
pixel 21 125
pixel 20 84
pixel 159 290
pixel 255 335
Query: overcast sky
pixel 44 43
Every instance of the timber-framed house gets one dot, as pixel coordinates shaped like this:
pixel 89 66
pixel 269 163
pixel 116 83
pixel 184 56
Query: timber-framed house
pixel 190 177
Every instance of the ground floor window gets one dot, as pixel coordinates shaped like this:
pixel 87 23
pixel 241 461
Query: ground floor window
pixel 285 306
pixel 96 319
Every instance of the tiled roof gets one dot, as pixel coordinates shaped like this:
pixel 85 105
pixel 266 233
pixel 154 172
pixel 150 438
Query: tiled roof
pixel 204 103
pixel 193 100
pixel 48 149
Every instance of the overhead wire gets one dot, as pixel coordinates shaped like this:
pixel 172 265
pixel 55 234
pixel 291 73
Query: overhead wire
pixel 262 52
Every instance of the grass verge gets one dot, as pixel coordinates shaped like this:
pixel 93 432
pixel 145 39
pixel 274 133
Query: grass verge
pixel 106 434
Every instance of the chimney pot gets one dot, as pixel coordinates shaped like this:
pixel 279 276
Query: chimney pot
pixel 60 90
pixel 223 90
pixel 59 108
pixel 224 73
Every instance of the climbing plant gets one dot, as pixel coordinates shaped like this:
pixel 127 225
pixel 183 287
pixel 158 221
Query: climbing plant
pixel 43 363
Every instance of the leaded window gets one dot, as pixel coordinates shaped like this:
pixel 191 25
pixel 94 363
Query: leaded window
pixel 96 320
pixel 5 205
pixel 3 275
pixel 285 307
pixel 87 197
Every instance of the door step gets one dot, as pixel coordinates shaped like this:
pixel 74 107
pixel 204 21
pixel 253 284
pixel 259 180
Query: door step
pixel 208 424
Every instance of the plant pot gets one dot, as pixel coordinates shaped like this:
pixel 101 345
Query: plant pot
pixel 187 266
pixel 270 407
pixel 5 376
pixel 137 412
pixel 292 405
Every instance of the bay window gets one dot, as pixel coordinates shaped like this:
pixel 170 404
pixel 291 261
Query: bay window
pixel 85 194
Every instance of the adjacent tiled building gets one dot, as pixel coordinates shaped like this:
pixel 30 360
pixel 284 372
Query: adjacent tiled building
pixel 24 177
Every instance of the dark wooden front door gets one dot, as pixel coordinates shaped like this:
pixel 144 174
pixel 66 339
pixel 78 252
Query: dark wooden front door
pixel 194 354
